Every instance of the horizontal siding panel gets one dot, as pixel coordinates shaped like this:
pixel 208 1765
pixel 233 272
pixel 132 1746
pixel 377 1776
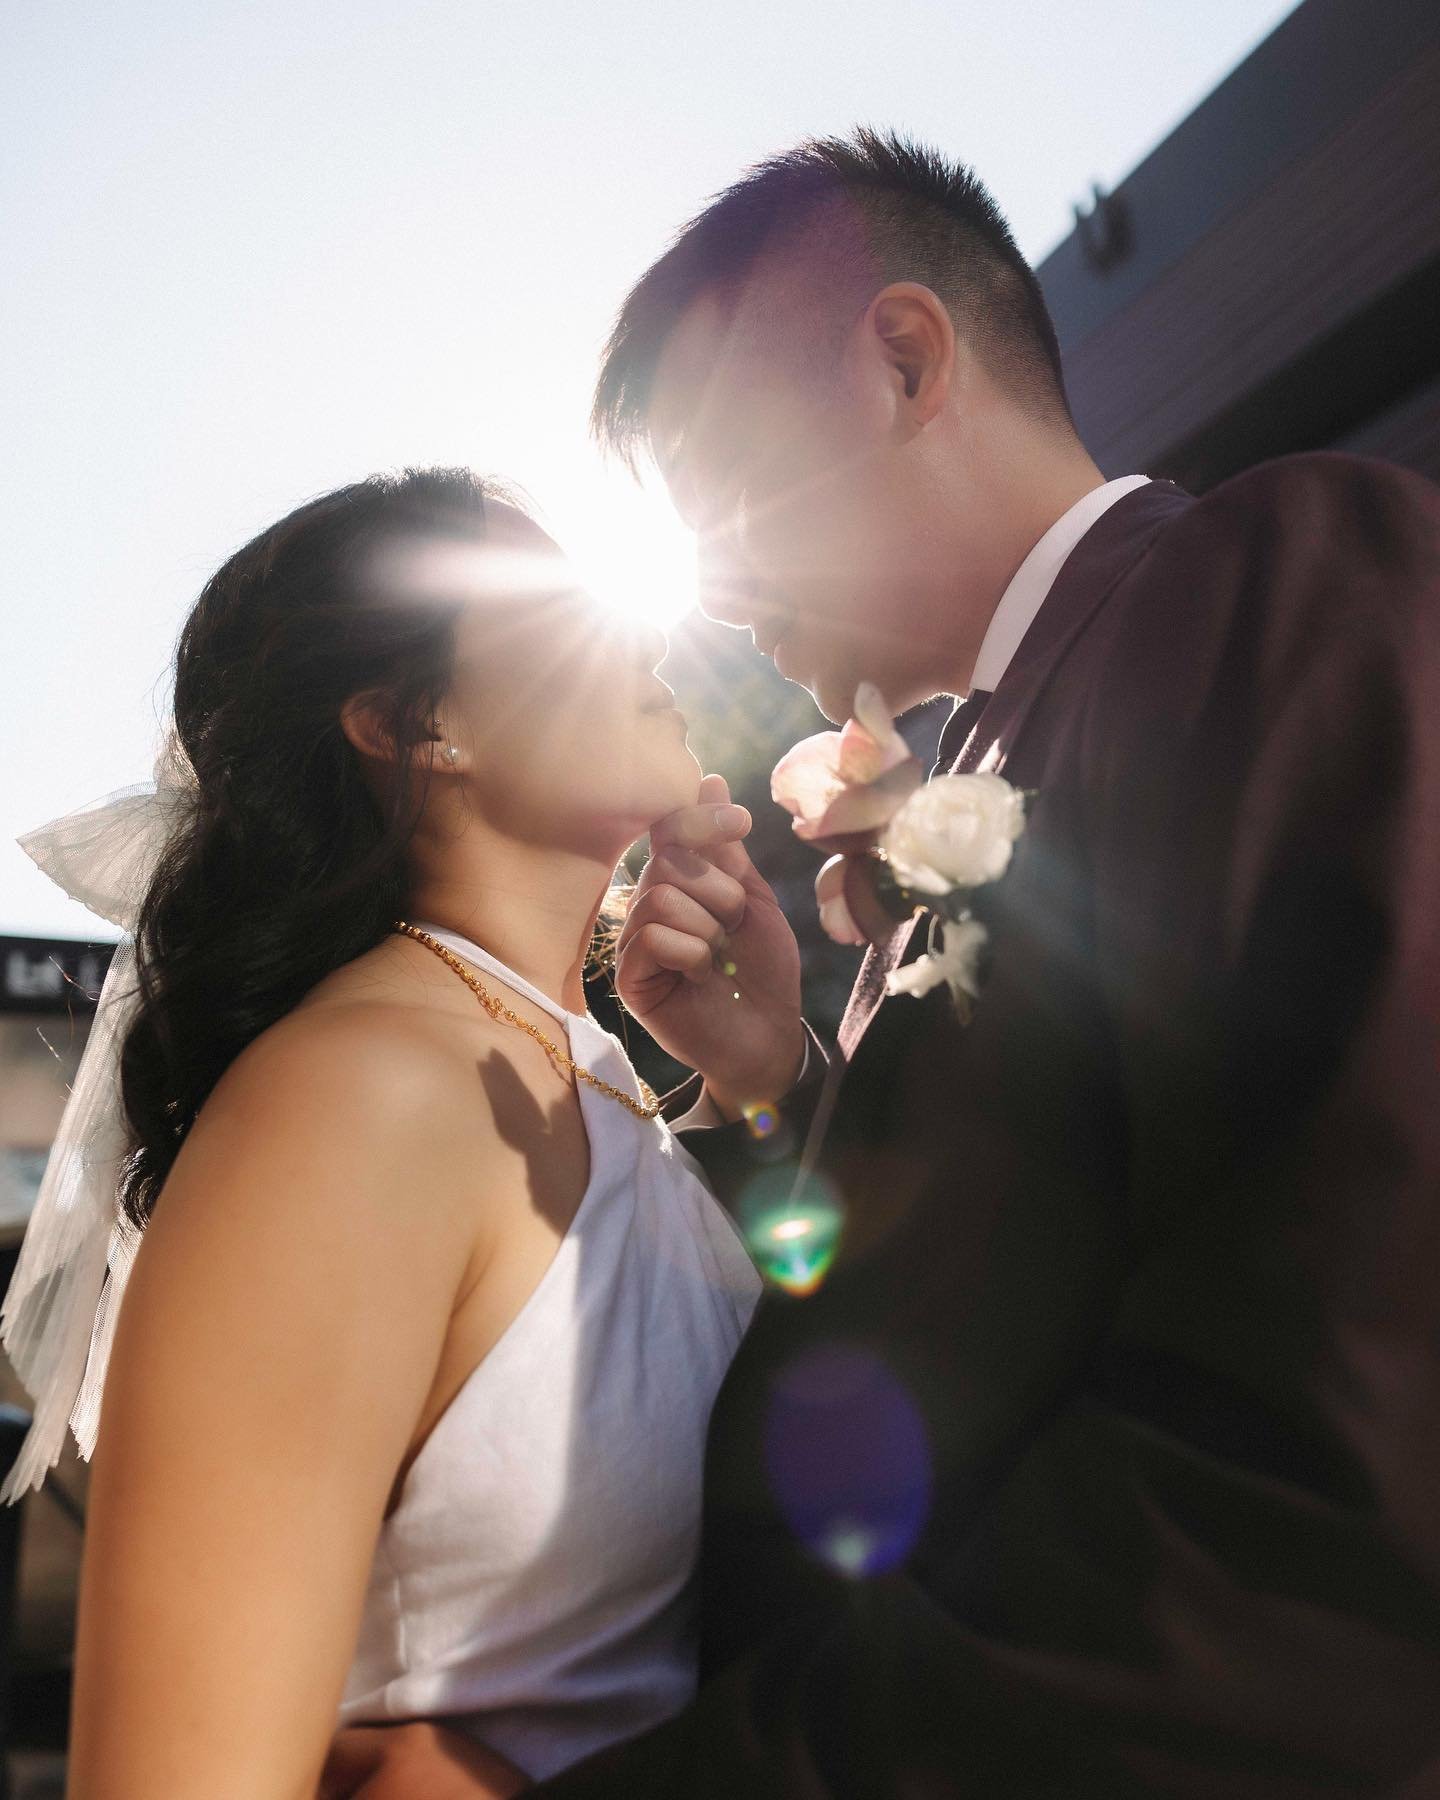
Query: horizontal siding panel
pixel 1319 66
pixel 1340 225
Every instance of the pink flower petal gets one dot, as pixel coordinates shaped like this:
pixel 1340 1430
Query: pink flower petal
pixel 830 879
pixel 864 756
pixel 863 809
pixel 865 908
pixel 872 713
pixel 807 778
pixel 835 917
pixel 861 758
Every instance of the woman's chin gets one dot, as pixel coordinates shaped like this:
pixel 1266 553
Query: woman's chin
pixel 668 790
pixel 684 790
pixel 652 780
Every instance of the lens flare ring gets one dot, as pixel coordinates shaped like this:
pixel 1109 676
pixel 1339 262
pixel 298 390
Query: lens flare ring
pixel 792 1228
pixel 848 1459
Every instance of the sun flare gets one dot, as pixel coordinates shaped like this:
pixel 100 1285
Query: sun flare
pixel 632 553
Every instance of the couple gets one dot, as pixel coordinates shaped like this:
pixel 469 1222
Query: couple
pixel 1103 1460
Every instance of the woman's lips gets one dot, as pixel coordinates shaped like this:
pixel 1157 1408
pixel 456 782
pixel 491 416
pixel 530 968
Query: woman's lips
pixel 661 703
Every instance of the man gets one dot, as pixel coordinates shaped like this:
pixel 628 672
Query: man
pixel 1105 1459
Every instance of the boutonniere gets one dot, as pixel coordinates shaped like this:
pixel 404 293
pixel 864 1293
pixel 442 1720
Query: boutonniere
pixel 900 843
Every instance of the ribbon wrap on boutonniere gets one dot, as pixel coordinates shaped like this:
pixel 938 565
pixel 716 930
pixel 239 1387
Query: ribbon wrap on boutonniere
pixel 899 844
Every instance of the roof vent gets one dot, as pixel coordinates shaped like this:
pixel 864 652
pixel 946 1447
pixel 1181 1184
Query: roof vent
pixel 1103 230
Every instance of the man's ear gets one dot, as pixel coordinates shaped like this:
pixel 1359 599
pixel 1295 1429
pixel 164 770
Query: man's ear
pixel 911 328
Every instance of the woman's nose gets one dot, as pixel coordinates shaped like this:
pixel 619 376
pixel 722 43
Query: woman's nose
pixel 643 641
pixel 651 643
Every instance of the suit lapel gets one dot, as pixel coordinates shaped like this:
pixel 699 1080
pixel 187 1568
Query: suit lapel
pixel 1108 551
pixel 982 730
pixel 869 988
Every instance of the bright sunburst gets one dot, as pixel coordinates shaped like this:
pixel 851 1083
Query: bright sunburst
pixel 630 550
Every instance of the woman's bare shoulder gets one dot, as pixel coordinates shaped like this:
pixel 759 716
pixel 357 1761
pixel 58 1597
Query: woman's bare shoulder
pixel 364 1118
pixel 382 1086
pixel 357 1054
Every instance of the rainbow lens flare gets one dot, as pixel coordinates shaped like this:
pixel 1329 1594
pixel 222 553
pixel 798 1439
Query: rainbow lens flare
pixel 762 1117
pixel 792 1228
pixel 848 1459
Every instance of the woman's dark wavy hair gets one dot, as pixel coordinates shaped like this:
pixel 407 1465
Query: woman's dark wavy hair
pixel 288 866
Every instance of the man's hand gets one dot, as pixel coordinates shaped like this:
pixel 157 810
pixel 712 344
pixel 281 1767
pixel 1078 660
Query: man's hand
pixel 707 961
pixel 420 1759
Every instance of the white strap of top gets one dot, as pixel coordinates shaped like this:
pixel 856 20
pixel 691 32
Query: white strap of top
pixel 462 946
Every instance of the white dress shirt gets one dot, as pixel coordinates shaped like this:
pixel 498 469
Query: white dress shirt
pixel 1035 577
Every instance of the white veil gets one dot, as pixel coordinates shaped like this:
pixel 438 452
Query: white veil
pixel 58 1316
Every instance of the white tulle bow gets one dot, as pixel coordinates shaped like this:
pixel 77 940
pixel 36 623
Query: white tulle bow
pixel 58 1316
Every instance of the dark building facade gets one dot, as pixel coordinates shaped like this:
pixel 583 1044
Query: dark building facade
pixel 1268 278
pixel 48 988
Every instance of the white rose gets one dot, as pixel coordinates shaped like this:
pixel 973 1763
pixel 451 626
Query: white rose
pixel 956 831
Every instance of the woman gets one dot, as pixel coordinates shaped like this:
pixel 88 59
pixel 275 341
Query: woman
pixel 406 1403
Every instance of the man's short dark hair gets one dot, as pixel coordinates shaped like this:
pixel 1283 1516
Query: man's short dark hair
pixel 920 217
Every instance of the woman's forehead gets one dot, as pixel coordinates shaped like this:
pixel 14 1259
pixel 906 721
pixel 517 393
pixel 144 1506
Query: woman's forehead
pixel 494 560
pixel 515 559
pixel 518 581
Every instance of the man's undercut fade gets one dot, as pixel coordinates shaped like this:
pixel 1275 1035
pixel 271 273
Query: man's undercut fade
pixel 835 220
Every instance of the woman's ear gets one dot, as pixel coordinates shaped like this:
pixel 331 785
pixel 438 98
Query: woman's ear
pixel 911 330
pixel 362 720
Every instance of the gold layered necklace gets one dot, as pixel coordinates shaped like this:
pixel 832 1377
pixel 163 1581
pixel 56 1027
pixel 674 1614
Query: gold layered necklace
pixel 497 1009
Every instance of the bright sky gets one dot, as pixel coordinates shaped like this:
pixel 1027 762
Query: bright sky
pixel 256 250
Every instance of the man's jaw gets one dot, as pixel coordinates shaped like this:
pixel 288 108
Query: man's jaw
pixel 780 636
pixel 792 661
pixel 777 634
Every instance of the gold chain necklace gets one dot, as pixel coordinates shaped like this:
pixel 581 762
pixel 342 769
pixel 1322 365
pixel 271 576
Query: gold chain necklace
pixel 497 1009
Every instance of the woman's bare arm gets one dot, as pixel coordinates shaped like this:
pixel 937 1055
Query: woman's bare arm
pixel 281 1330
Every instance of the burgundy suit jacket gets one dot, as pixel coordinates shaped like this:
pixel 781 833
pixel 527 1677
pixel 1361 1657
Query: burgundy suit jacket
pixel 1121 1402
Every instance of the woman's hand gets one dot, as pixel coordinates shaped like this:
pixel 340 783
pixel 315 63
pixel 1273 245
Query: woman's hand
pixel 421 1759
pixel 707 961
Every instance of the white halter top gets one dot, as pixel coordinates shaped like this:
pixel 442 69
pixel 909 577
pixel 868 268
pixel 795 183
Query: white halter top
pixel 535 1577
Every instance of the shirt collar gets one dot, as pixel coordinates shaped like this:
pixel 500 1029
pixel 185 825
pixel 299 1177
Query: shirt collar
pixel 1033 580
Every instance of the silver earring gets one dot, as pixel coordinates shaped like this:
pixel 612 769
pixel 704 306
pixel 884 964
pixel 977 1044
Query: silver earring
pixel 452 755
